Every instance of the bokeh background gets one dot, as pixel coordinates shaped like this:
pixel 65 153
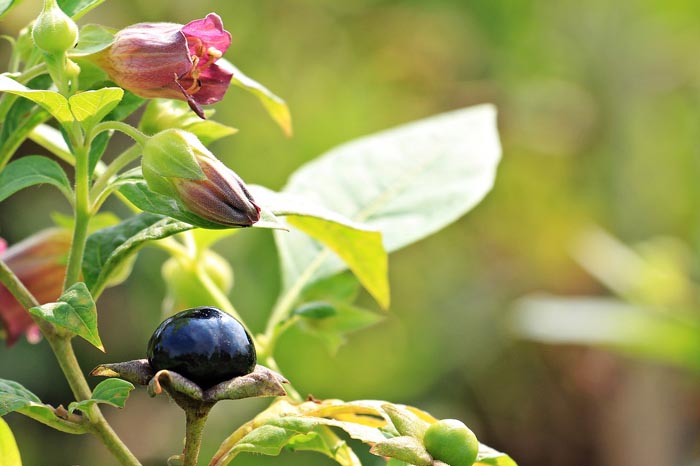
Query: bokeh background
pixel 598 114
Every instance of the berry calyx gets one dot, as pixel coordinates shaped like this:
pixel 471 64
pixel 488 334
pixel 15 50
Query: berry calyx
pixel 204 344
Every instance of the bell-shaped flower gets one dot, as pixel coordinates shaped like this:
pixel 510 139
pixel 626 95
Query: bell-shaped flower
pixel 171 61
pixel 40 264
pixel 175 163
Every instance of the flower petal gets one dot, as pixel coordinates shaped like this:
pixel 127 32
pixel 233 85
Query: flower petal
pixel 207 32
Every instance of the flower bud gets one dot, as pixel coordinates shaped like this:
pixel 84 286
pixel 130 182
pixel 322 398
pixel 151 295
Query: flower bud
pixel 39 263
pixel 54 32
pixel 175 163
pixel 171 61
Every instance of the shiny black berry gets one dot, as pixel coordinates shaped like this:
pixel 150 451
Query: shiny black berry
pixel 203 344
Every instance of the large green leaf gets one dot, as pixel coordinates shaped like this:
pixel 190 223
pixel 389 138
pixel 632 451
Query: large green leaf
pixel 111 391
pixel 9 453
pixel 407 182
pixel 51 101
pixel 75 311
pixel 90 107
pixel 30 171
pixel 108 249
pixel 358 246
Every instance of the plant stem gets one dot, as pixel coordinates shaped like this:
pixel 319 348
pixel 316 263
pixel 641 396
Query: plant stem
pixel 65 355
pixel 195 420
pixel 112 441
pixel 125 128
pixel 82 215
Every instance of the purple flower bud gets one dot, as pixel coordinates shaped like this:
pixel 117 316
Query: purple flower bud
pixel 39 263
pixel 177 164
pixel 221 198
pixel 171 61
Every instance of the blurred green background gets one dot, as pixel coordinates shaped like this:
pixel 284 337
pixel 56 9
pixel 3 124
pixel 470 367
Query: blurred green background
pixel 598 113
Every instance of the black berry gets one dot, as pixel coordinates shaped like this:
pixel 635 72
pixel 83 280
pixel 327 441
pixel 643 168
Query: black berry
pixel 203 344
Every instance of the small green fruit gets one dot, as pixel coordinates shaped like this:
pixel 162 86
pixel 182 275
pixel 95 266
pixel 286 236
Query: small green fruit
pixel 451 442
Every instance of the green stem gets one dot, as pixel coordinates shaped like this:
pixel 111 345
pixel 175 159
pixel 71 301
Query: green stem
pixel 112 441
pixel 82 215
pixel 120 126
pixel 195 420
pixel 16 287
pixel 65 355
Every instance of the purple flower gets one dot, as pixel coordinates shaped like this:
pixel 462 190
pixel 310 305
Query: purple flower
pixel 39 263
pixel 171 61
pixel 175 163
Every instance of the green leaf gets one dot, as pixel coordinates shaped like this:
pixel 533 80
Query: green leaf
pixel 9 453
pixel 14 397
pixel 359 247
pixel 93 38
pixel 111 391
pixel 77 8
pixel 30 171
pixel 74 311
pixel 276 107
pixel 107 249
pixel 361 250
pixel 337 288
pixel 51 101
pixel 404 448
pixel 90 107
pixel 316 310
pixel 332 327
pixel 145 199
pixel 5 6
pixel 97 150
pixel 323 440
pixel 21 119
pixel 415 180
pixel 493 457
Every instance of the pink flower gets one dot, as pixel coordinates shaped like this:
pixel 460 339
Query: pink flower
pixel 171 61
pixel 39 263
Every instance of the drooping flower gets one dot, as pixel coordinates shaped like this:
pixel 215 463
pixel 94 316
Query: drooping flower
pixel 175 163
pixel 171 61
pixel 39 263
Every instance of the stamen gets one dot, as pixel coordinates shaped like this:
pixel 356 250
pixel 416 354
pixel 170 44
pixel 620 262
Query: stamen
pixel 214 54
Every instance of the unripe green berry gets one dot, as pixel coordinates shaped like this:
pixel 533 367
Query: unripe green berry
pixel 451 442
pixel 54 32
